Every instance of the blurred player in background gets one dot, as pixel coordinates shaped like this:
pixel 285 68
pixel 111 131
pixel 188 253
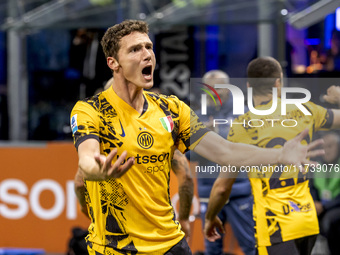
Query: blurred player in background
pixel 284 211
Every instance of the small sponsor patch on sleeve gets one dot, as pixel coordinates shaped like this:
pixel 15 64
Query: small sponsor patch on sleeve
pixel 74 124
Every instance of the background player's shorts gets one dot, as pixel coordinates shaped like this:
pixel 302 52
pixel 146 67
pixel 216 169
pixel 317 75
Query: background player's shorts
pixel 300 246
pixel 181 248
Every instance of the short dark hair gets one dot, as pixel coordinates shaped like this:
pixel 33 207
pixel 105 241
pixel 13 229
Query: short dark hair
pixel 262 74
pixel 111 39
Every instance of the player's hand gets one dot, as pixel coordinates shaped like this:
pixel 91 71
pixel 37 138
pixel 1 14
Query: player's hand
pixel 333 95
pixel 113 169
pixel 185 224
pixel 210 229
pixel 294 153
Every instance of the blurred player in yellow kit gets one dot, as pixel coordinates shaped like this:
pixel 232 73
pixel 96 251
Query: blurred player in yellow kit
pixel 284 212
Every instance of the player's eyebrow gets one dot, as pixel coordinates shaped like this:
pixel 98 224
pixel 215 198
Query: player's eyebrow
pixel 149 44
pixel 139 45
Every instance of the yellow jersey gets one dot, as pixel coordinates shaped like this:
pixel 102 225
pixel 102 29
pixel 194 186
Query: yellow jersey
pixel 133 213
pixel 283 206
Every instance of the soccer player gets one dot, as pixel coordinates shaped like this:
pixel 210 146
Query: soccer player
pixel 126 138
pixel 284 212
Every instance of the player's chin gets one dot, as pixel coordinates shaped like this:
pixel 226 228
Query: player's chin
pixel 144 84
pixel 148 85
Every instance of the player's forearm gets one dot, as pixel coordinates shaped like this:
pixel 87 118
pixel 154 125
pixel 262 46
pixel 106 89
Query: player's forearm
pixel 219 195
pixel 185 192
pixel 90 168
pixel 248 155
pixel 79 190
pixel 219 150
pixel 80 193
pixel 180 166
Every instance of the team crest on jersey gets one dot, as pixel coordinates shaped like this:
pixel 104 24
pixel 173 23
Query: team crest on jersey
pixel 74 124
pixel 145 140
pixel 167 123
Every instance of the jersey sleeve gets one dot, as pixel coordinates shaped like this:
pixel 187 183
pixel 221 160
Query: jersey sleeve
pixel 84 123
pixel 191 129
pixel 238 133
pixel 323 118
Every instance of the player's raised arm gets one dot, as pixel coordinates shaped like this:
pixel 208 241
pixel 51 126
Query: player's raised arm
pixel 97 167
pixel 215 148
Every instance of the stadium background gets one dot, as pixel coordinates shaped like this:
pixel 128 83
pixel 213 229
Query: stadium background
pixel 50 57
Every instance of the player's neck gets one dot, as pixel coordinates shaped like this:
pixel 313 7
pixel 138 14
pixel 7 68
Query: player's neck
pixel 131 94
pixel 260 99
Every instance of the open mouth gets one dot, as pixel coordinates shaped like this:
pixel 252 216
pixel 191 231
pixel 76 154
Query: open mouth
pixel 147 72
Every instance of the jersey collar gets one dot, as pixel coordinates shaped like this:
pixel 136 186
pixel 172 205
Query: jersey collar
pixel 119 103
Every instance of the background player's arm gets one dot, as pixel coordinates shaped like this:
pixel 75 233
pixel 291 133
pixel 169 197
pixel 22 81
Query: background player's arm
pixel 333 97
pixel 79 189
pixel 95 166
pixel 214 148
pixel 218 197
pixel 180 166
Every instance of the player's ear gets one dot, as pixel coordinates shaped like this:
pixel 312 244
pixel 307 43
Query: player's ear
pixel 278 83
pixel 113 63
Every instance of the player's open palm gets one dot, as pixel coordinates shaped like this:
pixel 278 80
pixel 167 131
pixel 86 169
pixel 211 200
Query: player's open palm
pixel 110 168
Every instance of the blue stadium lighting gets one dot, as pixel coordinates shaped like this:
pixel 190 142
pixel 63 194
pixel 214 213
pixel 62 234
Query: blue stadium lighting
pixel 312 41
pixel 337 19
pixel 330 21
pixel 211 47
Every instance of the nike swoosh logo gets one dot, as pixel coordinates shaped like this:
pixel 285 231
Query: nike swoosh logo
pixel 123 133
